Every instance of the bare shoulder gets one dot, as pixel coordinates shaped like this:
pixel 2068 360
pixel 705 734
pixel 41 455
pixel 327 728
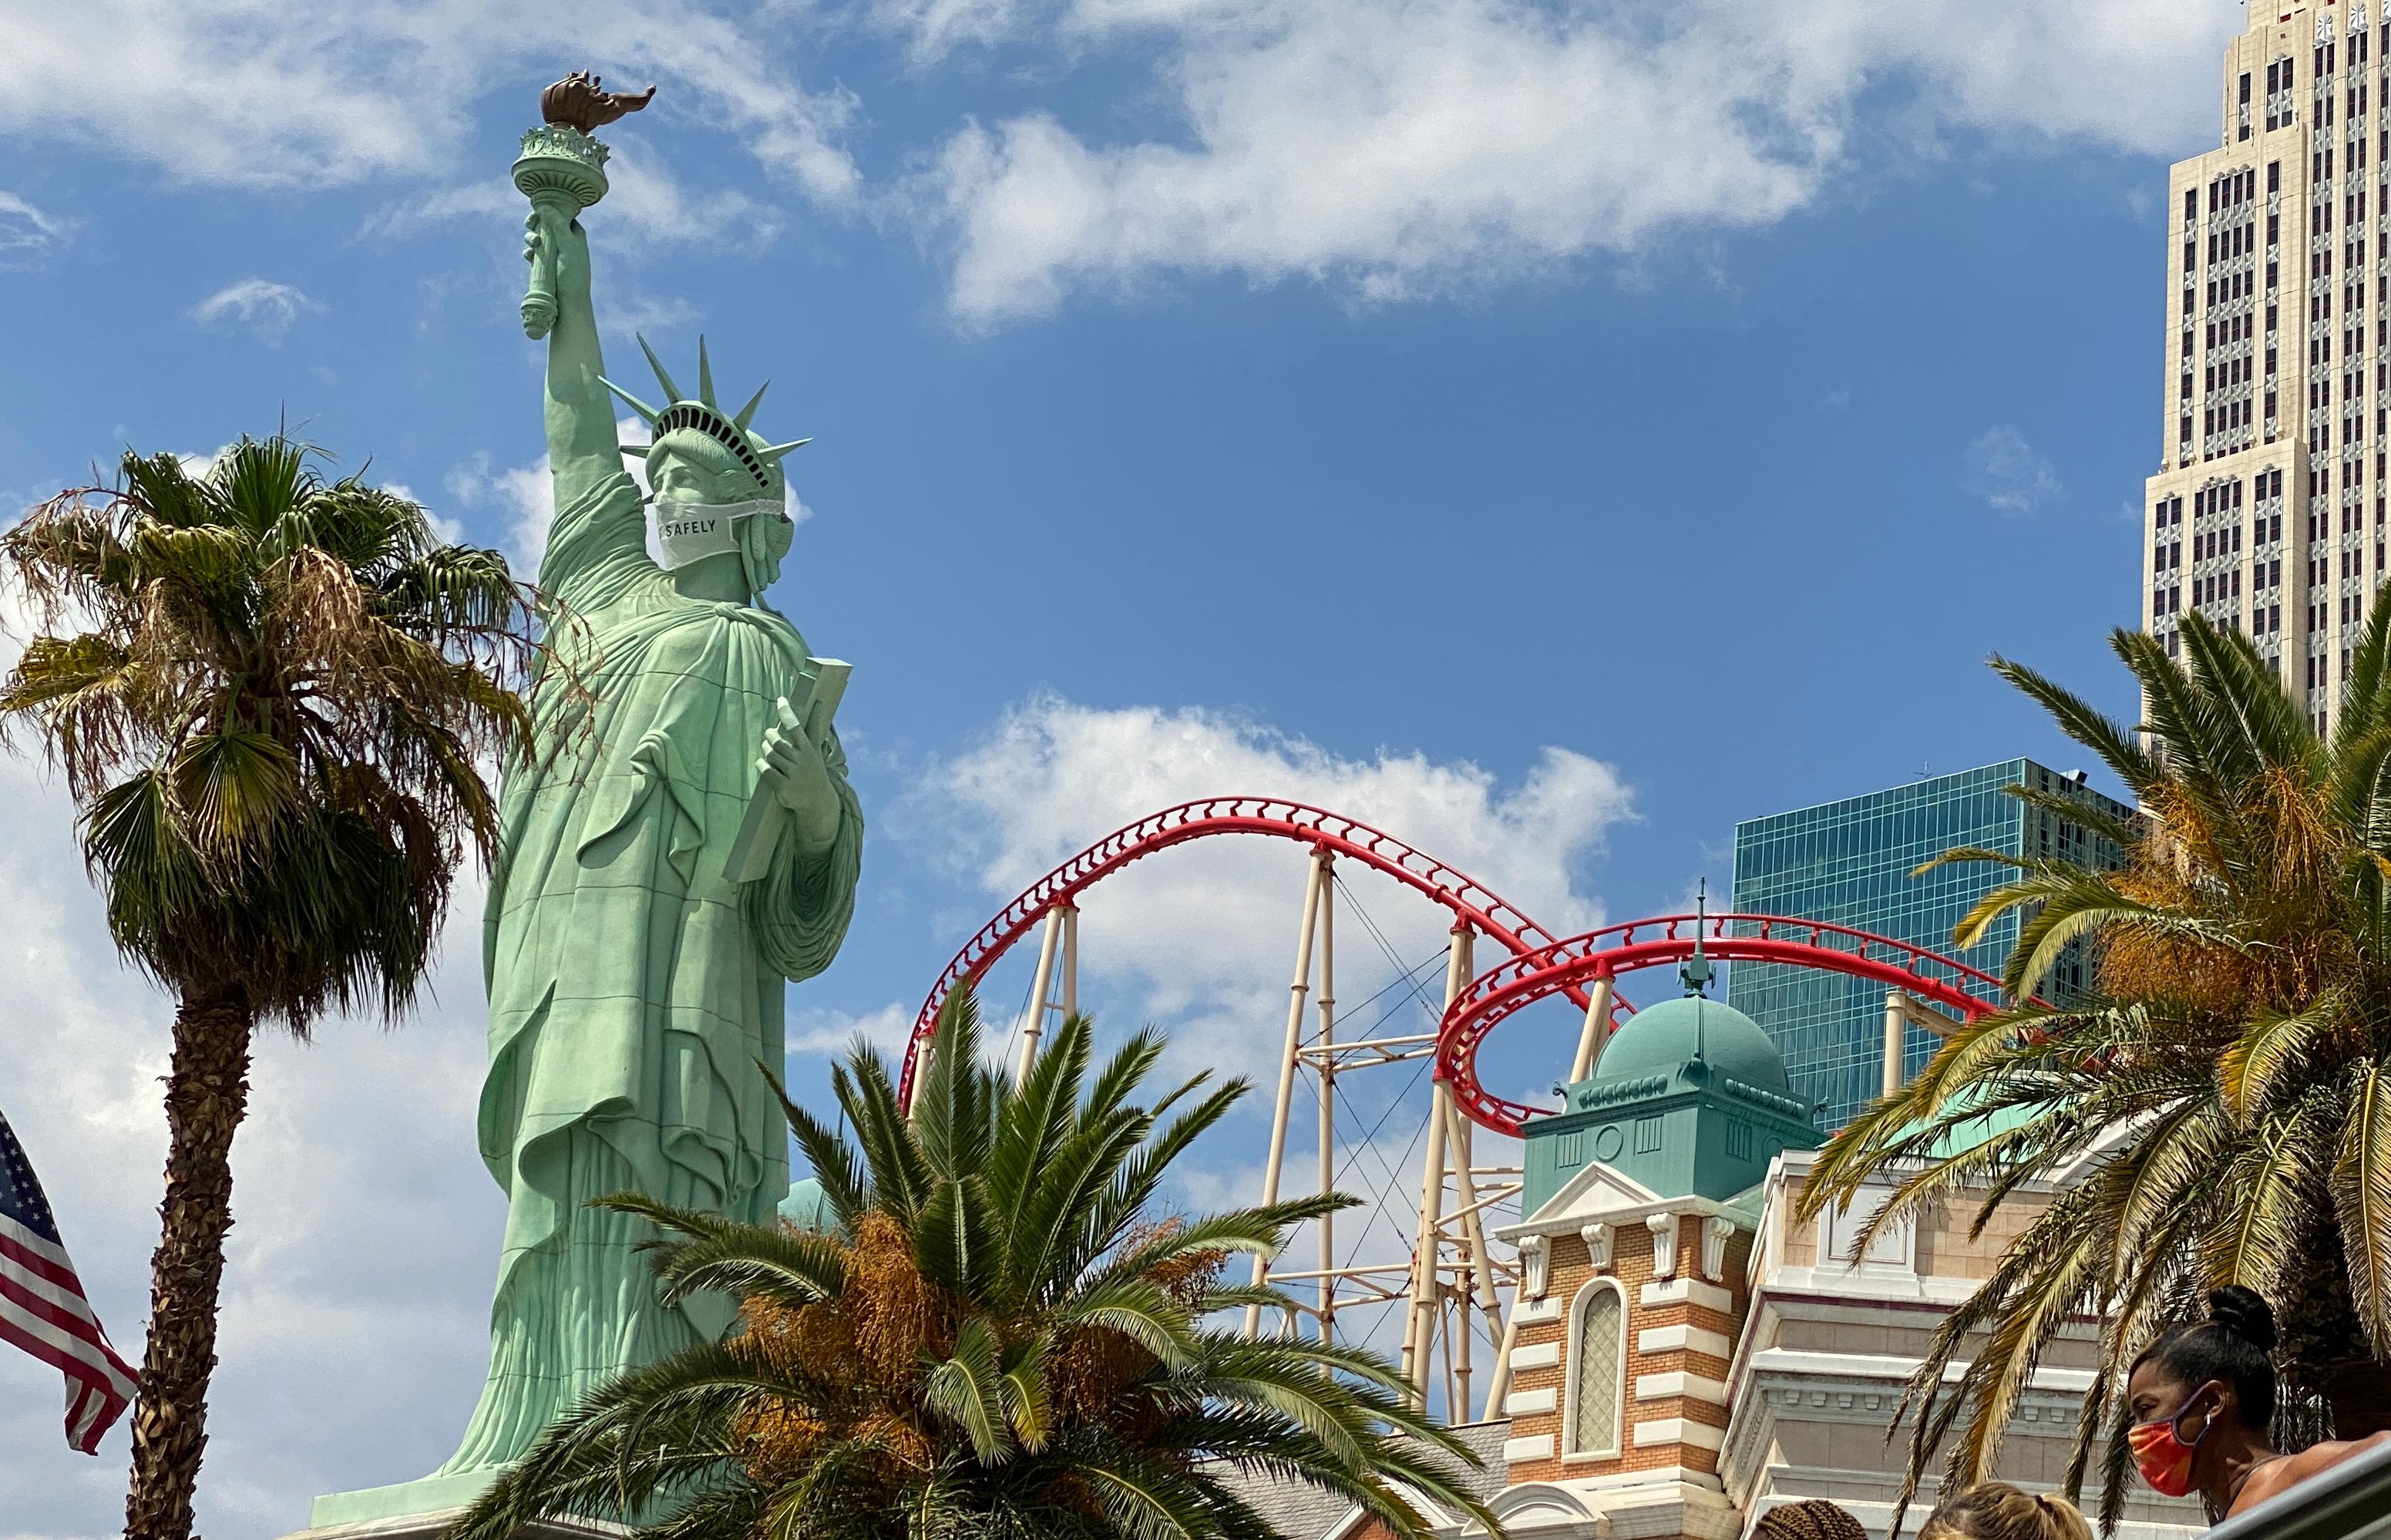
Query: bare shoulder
pixel 2278 1476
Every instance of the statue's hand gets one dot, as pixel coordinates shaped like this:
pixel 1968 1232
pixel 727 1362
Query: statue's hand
pixel 551 231
pixel 800 775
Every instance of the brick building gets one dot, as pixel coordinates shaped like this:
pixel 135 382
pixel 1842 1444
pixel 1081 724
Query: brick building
pixel 1684 1355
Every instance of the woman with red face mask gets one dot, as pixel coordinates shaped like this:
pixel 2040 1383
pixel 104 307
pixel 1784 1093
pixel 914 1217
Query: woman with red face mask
pixel 2202 1396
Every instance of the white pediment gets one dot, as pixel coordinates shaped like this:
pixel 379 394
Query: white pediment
pixel 1533 1504
pixel 1596 1191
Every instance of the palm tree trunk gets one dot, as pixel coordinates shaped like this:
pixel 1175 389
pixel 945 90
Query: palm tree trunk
pixel 207 1093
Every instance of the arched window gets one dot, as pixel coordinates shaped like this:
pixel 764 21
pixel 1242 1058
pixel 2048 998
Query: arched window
pixel 1597 1367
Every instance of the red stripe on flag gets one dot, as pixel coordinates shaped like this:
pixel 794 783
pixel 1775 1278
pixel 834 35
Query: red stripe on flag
pixel 102 1358
pixel 68 1321
pixel 37 1264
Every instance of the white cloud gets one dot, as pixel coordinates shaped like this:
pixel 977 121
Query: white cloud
pixel 1397 147
pixel 27 231
pixel 325 93
pixel 267 308
pixel 816 1029
pixel 523 497
pixel 2006 472
pixel 937 27
pixel 1202 938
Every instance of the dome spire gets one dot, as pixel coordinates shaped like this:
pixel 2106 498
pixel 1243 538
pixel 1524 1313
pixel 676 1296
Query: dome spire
pixel 1696 971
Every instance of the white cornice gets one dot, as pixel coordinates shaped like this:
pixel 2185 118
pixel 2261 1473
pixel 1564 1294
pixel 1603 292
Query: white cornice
pixel 1556 1219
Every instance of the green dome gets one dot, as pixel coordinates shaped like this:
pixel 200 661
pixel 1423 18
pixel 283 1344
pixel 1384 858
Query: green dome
pixel 806 1207
pixel 1660 1039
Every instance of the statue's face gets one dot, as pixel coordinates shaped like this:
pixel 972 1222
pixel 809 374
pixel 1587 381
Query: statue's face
pixel 689 464
pixel 686 465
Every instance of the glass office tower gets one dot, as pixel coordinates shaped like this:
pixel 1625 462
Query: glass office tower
pixel 1850 862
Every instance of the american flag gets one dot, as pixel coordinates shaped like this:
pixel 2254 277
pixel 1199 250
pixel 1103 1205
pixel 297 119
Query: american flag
pixel 41 1307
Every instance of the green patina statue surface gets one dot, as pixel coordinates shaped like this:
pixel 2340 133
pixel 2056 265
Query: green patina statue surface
pixel 634 986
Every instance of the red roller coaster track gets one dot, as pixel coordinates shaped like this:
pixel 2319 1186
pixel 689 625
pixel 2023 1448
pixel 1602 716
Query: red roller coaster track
pixel 1469 902
pixel 1566 966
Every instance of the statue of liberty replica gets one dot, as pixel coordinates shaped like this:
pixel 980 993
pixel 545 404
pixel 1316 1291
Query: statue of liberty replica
pixel 681 844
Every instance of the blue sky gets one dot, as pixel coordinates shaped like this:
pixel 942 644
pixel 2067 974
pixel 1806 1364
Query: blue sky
pixel 1550 433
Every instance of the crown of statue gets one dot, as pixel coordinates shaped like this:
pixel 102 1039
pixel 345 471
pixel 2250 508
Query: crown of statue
pixel 704 414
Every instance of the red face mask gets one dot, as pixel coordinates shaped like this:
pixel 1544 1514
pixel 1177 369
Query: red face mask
pixel 2165 1456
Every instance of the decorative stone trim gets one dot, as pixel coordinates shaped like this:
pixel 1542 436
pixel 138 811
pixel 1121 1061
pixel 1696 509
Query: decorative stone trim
pixel 1520 1451
pixel 1535 1355
pixel 1700 1435
pixel 1523 1402
pixel 1716 1233
pixel 1664 1243
pixel 1684 1339
pixel 1535 1266
pixel 1598 1244
pixel 1774 1101
pixel 1695 1387
pixel 1626 1090
pixel 1682 1291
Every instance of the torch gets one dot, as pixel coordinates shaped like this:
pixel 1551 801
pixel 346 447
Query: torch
pixel 562 168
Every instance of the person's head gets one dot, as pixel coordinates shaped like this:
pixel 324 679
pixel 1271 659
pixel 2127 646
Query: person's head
pixel 2201 1392
pixel 1995 1510
pixel 720 498
pixel 1814 1520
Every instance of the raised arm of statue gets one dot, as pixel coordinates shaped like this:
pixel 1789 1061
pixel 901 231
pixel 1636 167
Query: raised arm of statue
pixel 582 450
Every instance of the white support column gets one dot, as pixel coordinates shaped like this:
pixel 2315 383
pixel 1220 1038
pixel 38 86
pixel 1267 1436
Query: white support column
pixel 1480 1271
pixel 1419 1320
pixel 1290 1060
pixel 1458 1138
pixel 1596 1033
pixel 1501 1384
pixel 1038 991
pixel 1449 1392
pixel 1326 1041
pixel 1896 1025
pixel 1456 1401
pixel 1070 960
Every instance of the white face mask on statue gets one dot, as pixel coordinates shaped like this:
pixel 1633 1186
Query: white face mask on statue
pixel 690 530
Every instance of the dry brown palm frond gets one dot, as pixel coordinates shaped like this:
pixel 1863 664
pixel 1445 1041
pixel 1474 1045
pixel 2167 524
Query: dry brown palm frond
pixel 1088 1368
pixel 898 1313
pixel 776 1441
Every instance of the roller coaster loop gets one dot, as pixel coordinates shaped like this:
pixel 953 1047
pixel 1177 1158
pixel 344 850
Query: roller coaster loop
pixel 1565 968
pixel 1470 903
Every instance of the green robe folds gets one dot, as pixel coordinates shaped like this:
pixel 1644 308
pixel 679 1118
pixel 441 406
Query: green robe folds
pixel 632 990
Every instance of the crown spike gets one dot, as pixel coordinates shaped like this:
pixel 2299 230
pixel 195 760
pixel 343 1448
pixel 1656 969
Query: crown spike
pixel 705 376
pixel 636 452
pixel 647 414
pixel 747 413
pixel 773 454
pixel 672 392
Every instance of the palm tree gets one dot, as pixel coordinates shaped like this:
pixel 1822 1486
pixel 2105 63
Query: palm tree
pixel 995 1335
pixel 2219 1109
pixel 269 694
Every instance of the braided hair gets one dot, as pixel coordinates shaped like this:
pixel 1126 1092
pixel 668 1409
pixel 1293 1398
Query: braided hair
pixel 2233 1345
pixel 1814 1520
pixel 1995 1510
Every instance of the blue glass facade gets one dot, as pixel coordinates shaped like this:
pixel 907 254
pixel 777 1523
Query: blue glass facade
pixel 1850 862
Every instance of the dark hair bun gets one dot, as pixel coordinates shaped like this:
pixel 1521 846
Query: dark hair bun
pixel 2241 1312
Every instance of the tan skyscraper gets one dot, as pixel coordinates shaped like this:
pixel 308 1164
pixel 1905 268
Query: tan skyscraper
pixel 2268 511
